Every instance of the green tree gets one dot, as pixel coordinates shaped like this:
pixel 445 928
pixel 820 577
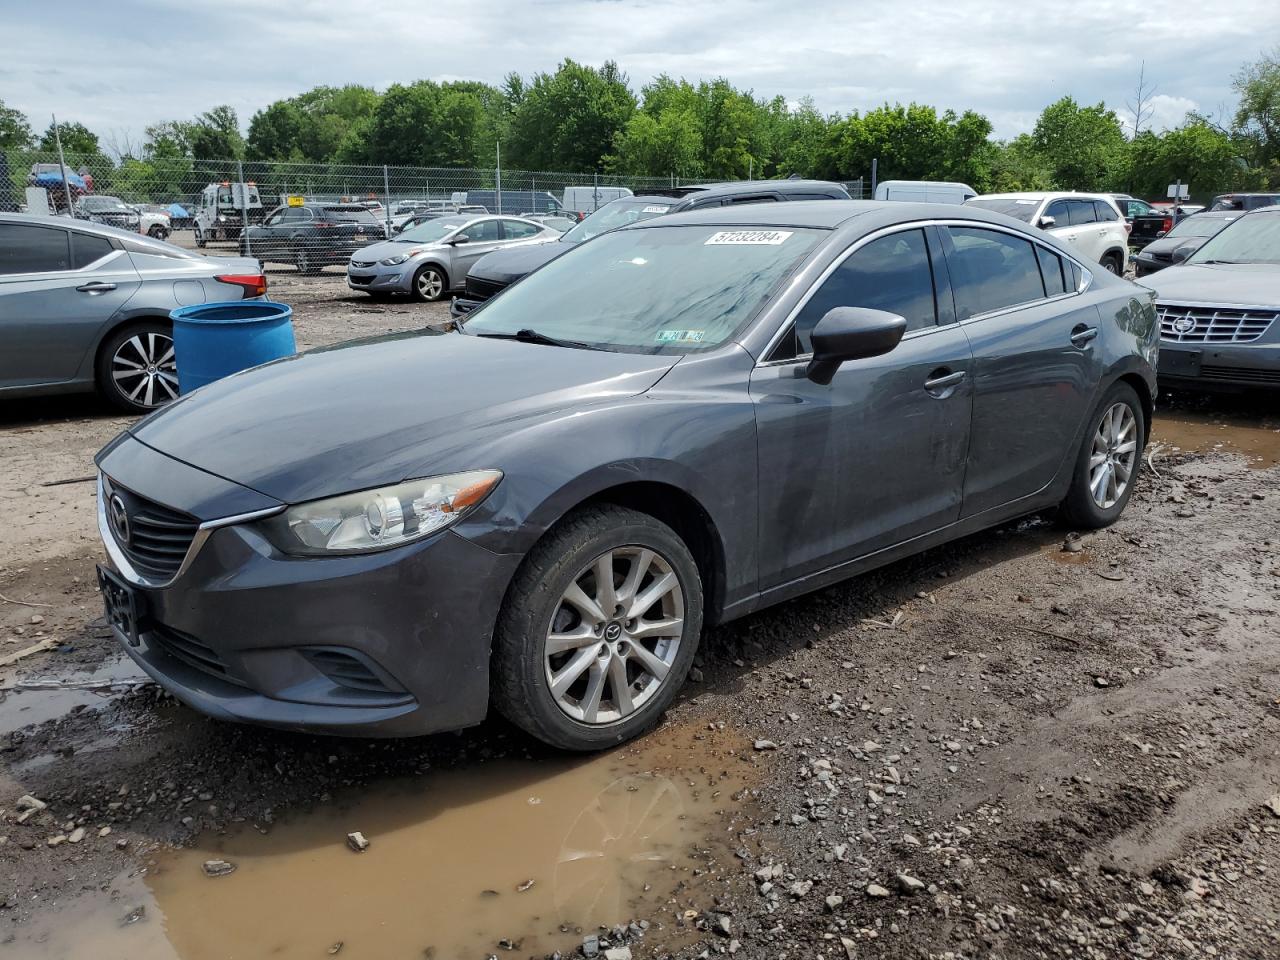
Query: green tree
pixel 1257 119
pixel 76 139
pixel 1197 153
pixel 910 143
pixel 311 126
pixel 1084 146
pixel 15 129
pixel 569 120
pixel 1015 165
pixel 425 124
pixel 215 135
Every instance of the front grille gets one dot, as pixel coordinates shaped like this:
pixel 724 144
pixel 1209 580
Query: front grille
pixel 1246 374
pixel 362 264
pixel 480 289
pixel 361 277
pixel 159 536
pixel 1212 325
pixel 186 648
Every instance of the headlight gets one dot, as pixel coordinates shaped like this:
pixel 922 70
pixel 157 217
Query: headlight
pixel 381 518
pixel 397 260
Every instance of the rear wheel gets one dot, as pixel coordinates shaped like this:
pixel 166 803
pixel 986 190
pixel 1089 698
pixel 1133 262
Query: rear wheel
pixel 429 284
pixel 158 231
pixel 1112 263
pixel 598 630
pixel 1107 465
pixel 136 369
pixel 200 240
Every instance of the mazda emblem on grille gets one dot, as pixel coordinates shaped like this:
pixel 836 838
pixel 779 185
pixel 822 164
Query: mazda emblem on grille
pixel 119 519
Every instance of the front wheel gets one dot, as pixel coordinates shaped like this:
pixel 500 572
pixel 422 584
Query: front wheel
pixel 428 284
pixel 200 240
pixel 302 260
pixel 1107 465
pixel 1113 264
pixel 158 232
pixel 598 630
pixel 136 369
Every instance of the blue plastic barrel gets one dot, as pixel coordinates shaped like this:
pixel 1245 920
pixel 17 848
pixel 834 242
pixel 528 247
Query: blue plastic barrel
pixel 215 340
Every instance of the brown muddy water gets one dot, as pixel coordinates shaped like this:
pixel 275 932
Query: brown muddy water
pixel 1255 438
pixel 536 853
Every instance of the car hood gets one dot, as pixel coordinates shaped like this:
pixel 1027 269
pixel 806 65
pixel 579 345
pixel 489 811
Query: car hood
pixel 392 248
pixel 508 266
pixel 1170 244
pixel 1247 284
pixel 376 412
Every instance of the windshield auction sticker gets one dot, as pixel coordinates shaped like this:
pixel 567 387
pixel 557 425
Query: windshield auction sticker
pixel 680 336
pixel 739 238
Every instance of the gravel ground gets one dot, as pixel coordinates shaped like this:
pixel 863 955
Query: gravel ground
pixel 1025 744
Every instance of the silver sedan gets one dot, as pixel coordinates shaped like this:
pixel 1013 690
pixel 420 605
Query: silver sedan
pixel 431 259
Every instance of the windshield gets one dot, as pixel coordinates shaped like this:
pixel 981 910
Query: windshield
pixel 1020 208
pixel 1199 227
pixel 1251 239
pixel 613 215
pixel 669 290
pixel 432 231
pixel 104 204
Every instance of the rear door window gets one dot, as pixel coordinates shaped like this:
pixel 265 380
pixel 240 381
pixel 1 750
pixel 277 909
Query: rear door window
pixel 991 271
pixel 87 248
pixel 1081 212
pixel 483 231
pixel 518 229
pixel 31 249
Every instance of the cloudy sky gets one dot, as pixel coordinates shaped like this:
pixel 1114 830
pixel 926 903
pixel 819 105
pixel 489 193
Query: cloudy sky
pixel 120 66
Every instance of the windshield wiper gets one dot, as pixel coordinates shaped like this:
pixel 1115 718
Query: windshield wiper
pixel 526 335
pixel 1220 261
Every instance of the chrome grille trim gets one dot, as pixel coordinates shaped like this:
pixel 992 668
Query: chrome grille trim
pixel 1210 324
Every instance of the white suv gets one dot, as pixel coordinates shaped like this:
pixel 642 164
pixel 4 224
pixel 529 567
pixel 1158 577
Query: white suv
pixel 1090 222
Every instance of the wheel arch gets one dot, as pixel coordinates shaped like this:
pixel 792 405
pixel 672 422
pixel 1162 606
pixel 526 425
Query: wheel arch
pixel 444 272
pixel 118 323
pixel 1143 390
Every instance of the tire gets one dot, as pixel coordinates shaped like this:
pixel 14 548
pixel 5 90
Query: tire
pixel 426 290
pixel 1081 508
pixel 1113 264
pixel 148 348
pixel 302 260
pixel 200 240
pixel 157 231
pixel 523 674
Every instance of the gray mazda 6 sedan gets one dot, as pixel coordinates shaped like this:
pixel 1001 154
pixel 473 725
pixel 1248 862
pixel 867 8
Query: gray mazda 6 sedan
pixel 673 425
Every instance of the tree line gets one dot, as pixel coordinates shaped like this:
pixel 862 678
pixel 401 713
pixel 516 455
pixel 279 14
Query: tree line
pixel 586 119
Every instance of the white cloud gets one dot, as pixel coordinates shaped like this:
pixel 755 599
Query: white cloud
pixel 1167 112
pixel 152 60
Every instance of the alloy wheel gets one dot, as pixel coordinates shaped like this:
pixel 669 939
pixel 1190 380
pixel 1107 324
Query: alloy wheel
pixel 1114 455
pixel 614 635
pixel 144 369
pixel 430 284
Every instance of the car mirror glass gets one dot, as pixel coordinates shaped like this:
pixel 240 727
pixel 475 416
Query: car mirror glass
pixel 1046 222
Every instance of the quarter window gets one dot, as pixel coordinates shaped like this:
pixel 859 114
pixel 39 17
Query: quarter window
pixel 891 273
pixel 87 248
pixel 28 249
pixel 1055 283
pixel 516 229
pixel 991 271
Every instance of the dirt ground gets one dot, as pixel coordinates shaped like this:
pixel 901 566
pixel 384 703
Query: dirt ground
pixel 1025 744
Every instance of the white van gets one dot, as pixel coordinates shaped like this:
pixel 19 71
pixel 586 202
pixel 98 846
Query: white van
pixel 591 199
pixel 924 191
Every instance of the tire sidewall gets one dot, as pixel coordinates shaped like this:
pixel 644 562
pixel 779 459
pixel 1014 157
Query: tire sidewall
pixel 526 619
pixel 1079 505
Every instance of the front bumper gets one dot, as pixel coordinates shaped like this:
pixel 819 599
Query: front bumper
pixel 461 306
pixel 1210 365
pixel 380 278
pixel 394 643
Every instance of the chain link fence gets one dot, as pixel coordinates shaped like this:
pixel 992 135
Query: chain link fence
pixel 209 203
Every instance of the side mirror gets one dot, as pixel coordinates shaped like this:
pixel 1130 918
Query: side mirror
pixel 1047 222
pixel 460 238
pixel 1181 253
pixel 851 333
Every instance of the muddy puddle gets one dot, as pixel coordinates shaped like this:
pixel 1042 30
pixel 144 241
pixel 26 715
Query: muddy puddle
pixel 1256 439
pixel 34 699
pixel 509 857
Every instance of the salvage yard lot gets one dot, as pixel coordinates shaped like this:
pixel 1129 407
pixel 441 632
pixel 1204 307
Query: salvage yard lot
pixel 1069 744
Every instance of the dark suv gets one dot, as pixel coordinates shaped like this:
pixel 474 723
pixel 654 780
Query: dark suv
pixel 312 235
pixel 495 272
pixel 1243 201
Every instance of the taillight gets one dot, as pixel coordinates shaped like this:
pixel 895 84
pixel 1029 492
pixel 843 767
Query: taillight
pixel 324 223
pixel 254 284
pixel 1167 225
pixel 1128 227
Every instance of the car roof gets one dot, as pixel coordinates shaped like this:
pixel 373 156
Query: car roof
pixel 74 223
pixel 1246 194
pixel 1045 195
pixel 821 214
pixel 762 186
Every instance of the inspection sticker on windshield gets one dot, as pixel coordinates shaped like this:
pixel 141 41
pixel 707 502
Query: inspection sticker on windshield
pixel 737 238
pixel 680 336
pixel 654 210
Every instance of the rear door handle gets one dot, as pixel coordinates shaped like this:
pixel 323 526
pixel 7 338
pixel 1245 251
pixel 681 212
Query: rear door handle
pixel 96 286
pixel 942 380
pixel 1082 335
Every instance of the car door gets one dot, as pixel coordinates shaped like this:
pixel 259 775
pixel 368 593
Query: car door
pixel 265 239
pixel 877 456
pixel 1090 234
pixel 58 288
pixel 1035 364
pixel 483 236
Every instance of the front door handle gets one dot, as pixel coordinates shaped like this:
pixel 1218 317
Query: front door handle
pixel 1082 335
pixel 96 286
pixel 942 380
